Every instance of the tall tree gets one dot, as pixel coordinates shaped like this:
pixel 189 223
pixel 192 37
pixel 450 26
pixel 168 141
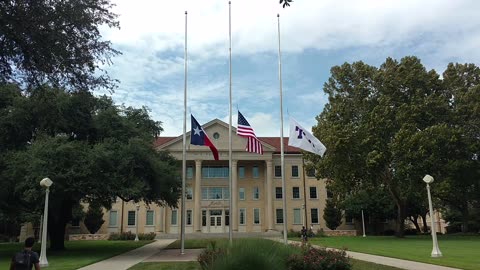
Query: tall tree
pixel 369 122
pixel 56 42
pixel 93 151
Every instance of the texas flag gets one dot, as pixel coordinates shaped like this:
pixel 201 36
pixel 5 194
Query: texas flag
pixel 199 137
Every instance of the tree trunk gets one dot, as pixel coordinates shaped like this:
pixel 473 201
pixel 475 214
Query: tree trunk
pixel 415 222
pixel 400 222
pixel 56 232
pixel 465 218
pixel 57 221
pixel 424 221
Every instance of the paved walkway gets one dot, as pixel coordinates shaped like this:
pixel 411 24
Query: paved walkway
pixel 155 252
pixel 129 259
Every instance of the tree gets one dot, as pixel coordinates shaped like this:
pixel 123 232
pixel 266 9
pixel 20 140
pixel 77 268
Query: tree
pixel 332 215
pixel 56 42
pixel 93 218
pixel 375 125
pixel 93 151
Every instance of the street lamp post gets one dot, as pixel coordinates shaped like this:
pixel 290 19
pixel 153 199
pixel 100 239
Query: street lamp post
pixel 136 229
pixel 363 225
pixel 435 250
pixel 46 183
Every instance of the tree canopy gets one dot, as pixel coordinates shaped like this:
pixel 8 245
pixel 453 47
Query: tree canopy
pixel 92 150
pixel 387 127
pixel 56 42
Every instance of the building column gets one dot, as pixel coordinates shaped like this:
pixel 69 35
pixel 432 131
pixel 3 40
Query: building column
pixel 269 199
pixel 197 211
pixel 234 214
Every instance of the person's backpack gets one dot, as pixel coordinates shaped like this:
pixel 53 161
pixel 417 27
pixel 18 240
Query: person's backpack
pixel 22 260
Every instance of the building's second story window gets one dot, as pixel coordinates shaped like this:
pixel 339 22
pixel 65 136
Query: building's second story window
pixel 278 171
pixel 215 193
pixel 313 192
pixel 296 192
pixel 255 172
pixel 189 172
pixel 241 172
pixel 241 194
pixel 189 193
pixel 215 172
pixel 311 172
pixel 294 171
pixel 256 193
pixel 278 192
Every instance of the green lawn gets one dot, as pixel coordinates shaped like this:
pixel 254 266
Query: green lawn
pixel 458 251
pixel 76 255
pixel 197 243
pixel 166 266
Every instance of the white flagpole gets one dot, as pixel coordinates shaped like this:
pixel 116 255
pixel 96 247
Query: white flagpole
pixel 230 226
pixel 184 154
pixel 284 188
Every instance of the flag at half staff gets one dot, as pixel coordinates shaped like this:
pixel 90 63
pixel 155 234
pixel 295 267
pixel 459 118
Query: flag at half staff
pixel 301 138
pixel 199 137
pixel 245 130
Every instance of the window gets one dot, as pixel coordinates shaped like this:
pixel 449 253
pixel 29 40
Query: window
pixel 311 172
pixel 278 192
pixel 149 218
pixel 329 194
pixel 189 217
pixel 279 213
pixel 278 171
pixel 241 193
pixel 215 193
pixel 296 192
pixel 297 218
pixel 314 215
pixel 255 172
pixel 112 219
pixel 190 172
pixel 204 217
pixel 242 216
pixel 256 216
pixel 313 192
pixel 227 218
pixel 189 193
pixel 215 172
pixel 294 171
pixel 256 193
pixel 241 172
pixel 173 220
pixel 131 218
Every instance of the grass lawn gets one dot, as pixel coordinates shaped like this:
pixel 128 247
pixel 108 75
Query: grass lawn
pixel 166 266
pixel 458 251
pixel 76 255
pixel 197 243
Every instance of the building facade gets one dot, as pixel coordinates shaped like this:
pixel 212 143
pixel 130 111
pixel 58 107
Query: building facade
pixel 257 190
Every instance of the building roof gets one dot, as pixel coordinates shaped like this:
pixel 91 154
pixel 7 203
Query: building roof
pixel 273 141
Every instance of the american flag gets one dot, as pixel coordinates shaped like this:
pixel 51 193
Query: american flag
pixel 245 130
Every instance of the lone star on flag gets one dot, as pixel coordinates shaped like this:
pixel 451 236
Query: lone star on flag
pixel 196 131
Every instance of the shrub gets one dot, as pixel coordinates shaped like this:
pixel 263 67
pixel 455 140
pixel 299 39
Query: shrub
pixel 332 215
pixel 410 232
pixel 210 255
pixel 146 236
pixel 94 218
pixel 121 236
pixel 293 234
pixel 319 259
pixel 389 232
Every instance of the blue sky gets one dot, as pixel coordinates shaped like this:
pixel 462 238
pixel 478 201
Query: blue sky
pixel 315 35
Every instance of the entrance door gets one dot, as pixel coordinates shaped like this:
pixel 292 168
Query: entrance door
pixel 216 224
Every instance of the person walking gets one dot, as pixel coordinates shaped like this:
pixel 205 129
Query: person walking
pixel 304 234
pixel 24 260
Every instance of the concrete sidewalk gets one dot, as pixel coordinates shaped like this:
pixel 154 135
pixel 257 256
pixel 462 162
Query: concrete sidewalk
pixel 129 259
